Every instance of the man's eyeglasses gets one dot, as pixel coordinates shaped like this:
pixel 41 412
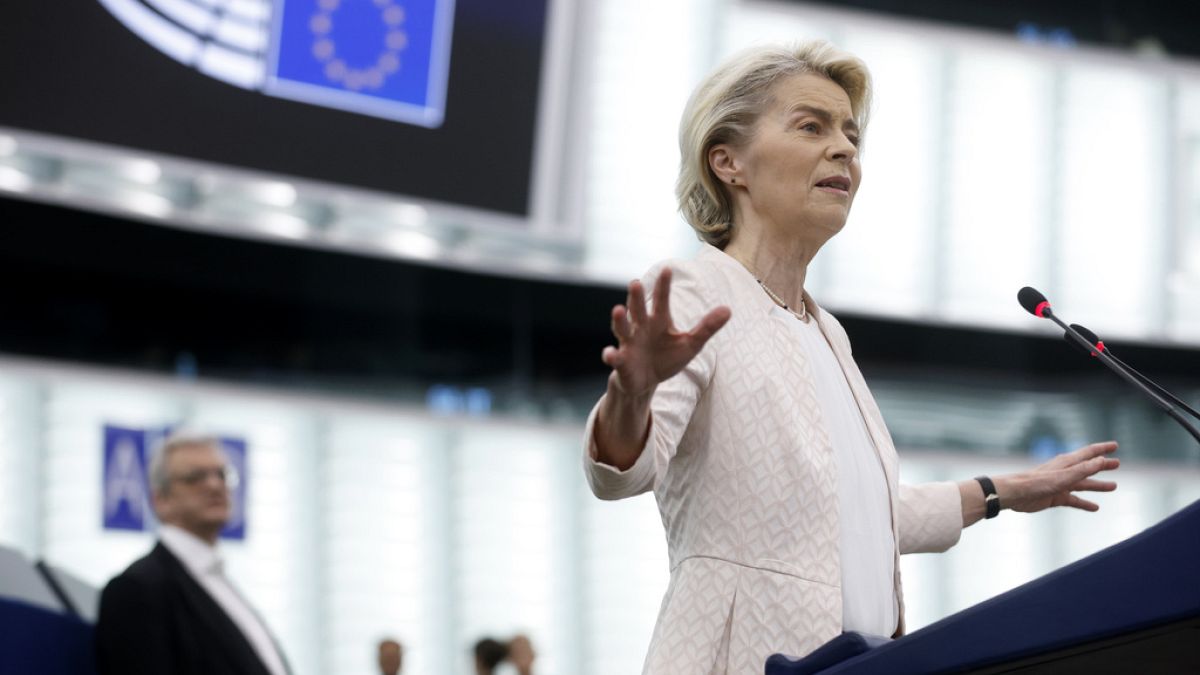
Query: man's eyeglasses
pixel 225 475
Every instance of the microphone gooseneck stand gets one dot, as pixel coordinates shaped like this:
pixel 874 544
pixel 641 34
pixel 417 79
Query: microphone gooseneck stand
pixel 1101 347
pixel 1036 304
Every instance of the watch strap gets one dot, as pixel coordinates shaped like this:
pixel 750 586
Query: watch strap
pixel 991 500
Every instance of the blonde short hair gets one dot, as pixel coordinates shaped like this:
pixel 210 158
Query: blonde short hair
pixel 725 108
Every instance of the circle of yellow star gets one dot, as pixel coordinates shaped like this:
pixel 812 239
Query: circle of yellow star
pixel 324 47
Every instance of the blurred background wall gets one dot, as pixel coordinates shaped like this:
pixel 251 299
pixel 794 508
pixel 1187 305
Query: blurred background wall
pixel 401 316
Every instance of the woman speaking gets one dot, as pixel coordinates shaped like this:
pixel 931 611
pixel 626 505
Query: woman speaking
pixel 735 398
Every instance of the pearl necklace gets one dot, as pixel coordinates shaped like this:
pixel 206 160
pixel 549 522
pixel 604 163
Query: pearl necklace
pixel 802 314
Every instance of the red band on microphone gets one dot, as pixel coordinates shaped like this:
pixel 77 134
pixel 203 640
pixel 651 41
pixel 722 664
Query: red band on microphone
pixel 1042 306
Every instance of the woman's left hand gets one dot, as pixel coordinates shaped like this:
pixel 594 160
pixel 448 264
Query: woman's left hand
pixel 1051 484
pixel 1055 482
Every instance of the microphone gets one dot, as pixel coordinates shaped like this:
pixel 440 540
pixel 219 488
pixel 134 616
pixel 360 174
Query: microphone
pixel 1036 304
pixel 1099 346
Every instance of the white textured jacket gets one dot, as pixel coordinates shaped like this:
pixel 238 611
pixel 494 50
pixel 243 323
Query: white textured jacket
pixel 741 465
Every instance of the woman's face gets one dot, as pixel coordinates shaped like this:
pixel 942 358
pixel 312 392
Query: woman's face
pixel 801 169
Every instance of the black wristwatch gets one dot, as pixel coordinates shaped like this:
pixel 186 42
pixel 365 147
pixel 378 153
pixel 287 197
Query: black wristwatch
pixel 990 498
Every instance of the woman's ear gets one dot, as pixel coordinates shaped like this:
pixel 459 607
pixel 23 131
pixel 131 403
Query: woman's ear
pixel 724 164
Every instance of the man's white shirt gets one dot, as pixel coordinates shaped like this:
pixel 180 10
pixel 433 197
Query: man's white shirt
pixel 205 565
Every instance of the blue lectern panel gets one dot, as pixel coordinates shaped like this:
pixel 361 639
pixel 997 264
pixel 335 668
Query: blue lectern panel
pixel 1149 580
pixel 34 640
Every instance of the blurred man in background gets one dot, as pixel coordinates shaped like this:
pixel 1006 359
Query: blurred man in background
pixel 489 654
pixel 173 612
pixel 521 654
pixel 391 657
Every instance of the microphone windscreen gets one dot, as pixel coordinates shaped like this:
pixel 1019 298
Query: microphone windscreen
pixel 1090 337
pixel 1087 334
pixel 1030 298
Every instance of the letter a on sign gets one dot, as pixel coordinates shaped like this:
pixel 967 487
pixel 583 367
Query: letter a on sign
pixel 126 493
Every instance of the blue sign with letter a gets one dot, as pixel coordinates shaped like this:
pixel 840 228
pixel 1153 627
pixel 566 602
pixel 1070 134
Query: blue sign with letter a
pixel 386 58
pixel 126 488
pixel 128 503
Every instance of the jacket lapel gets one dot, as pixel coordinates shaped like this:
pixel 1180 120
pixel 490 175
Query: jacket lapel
pixel 232 642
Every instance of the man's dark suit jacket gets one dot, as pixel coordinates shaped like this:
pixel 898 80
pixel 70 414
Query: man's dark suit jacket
pixel 155 619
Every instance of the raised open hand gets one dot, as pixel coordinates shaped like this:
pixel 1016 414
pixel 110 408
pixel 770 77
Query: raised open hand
pixel 649 348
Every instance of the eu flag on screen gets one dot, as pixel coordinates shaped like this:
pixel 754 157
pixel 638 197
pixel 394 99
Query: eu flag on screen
pixel 387 58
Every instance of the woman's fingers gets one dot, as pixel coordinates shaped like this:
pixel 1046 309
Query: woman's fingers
pixel 1080 503
pixel 1083 454
pixel 1092 451
pixel 1093 466
pixel 620 323
pixel 1077 477
pixel 1092 485
pixel 1055 482
pixel 662 295
pixel 611 356
pixel 649 349
pixel 709 325
pixel 637 302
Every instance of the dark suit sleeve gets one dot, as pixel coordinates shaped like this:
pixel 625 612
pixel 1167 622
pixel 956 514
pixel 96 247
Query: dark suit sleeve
pixel 132 632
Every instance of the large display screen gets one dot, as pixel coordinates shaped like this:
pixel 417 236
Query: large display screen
pixel 433 99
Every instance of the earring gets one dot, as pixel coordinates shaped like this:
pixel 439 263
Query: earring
pixel 733 181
